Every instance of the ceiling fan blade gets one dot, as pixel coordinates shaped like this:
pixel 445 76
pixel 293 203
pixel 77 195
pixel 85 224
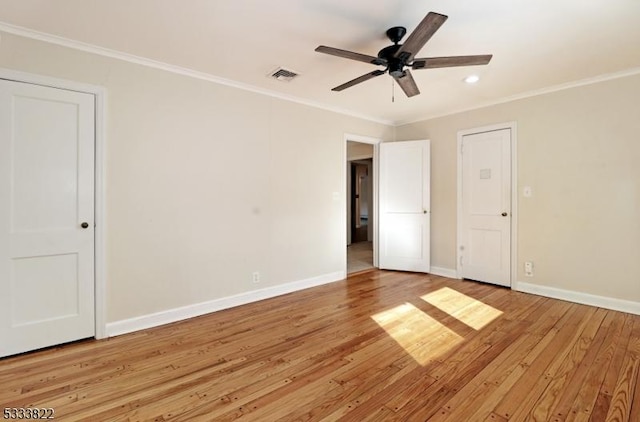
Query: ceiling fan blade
pixel 435 62
pixel 419 37
pixel 351 55
pixel 359 80
pixel 408 84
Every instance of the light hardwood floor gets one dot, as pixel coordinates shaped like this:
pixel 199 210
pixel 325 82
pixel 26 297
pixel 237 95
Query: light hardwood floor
pixel 380 346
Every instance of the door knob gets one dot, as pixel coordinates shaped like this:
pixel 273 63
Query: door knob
pixel 84 225
pixel 504 214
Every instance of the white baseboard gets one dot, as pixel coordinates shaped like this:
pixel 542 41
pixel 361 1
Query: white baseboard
pixel 579 297
pixel 178 314
pixel 444 272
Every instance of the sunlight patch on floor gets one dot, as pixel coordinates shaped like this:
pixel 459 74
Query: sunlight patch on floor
pixel 465 309
pixel 420 335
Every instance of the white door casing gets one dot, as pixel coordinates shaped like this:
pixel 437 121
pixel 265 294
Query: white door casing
pixel 485 218
pixel 47 141
pixel 404 206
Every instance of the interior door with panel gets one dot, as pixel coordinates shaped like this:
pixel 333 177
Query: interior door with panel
pixel 404 206
pixel 47 142
pixel 485 237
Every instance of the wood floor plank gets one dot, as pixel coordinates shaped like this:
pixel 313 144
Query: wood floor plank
pixel 582 378
pixel 448 386
pixel 634 415
pixel 566 371
pixel 378 346
pixel 557 314
pixel 495 418
pixel 621 400
pixel 518 403
pixel 603 401
pixel 477 399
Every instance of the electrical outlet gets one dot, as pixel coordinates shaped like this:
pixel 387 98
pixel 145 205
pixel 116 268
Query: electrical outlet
pixel 255 277
pixel 528 269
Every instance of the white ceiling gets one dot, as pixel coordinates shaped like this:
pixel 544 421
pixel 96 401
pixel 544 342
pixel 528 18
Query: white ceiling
pixel 537 44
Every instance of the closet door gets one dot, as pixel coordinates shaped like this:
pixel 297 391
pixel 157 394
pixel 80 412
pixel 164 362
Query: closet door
pixel 47 141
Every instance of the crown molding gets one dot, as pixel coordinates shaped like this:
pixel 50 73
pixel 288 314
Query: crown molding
pixel 94 49
pixel 131 58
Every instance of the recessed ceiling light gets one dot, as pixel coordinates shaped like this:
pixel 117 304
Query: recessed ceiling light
pixel 472 79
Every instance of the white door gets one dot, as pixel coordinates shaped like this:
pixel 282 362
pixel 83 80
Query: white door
pixel 46 197
pixel 485 226
pixel 404 206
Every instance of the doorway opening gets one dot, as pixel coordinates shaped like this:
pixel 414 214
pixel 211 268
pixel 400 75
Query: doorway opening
pixel 361 207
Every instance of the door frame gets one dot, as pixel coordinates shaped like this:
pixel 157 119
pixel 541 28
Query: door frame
pixel 514 197
pixel 374 197
pixel 100 95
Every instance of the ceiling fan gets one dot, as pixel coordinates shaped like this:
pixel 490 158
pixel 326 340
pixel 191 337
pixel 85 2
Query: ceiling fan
pixel 398 56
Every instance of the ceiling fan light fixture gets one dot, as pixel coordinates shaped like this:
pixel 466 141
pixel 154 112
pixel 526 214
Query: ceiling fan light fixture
pixel 472 79
pixel 396 68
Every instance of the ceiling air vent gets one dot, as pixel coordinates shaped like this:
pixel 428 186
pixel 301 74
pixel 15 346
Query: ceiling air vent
pixel 283 74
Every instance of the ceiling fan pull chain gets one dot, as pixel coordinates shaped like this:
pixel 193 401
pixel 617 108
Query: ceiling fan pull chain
pixel 393 92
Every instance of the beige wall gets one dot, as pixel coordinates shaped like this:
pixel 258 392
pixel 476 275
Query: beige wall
pixel 205 183
pixel 579 149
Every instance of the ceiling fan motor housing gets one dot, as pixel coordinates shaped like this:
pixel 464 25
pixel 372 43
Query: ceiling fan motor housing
pixel 394 64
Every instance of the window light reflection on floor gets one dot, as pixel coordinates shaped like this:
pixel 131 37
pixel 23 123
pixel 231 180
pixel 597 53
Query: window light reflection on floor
pixel 466 309
pixel 420 335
